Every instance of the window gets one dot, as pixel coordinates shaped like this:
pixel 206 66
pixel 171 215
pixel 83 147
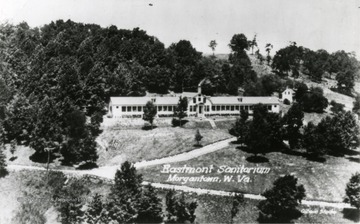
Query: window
pixel 204 100
pixel 191 108
pixel 123 109
pixel 194 100
pixel 134 108
pixel 159 108
pixel 213 108
pixel 218 108
pixel 128 109
pixel 139 108
pixel 232 108
pixel 246 107
pixel 237 108
pixel 170 108
pixel 199 99
pixel 227 107
pixel 222 107
pixel 165 108
pixel 269 107
pixel 251 107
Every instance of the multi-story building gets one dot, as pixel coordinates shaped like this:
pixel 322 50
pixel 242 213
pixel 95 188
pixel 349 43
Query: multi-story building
pixel 199 105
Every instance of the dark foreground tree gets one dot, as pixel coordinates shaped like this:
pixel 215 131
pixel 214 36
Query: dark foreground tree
pixel 178 209
pixel 150 207
pixel 238 199
pixel 180 110
pixel 356 108
pixel 150 112
pixel 282 200
pixel 3 170
pixel 353 191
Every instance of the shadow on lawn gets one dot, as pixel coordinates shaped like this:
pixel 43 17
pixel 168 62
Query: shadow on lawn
pixel 148 127
pixel 288 218
pixel 352 159
pixel 176 122
pixel 257 159
pixel 42 157
pixel 351 214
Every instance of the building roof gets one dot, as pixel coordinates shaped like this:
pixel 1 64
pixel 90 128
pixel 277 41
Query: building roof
pixel 189 94
pixel 129 100
pixel 167 100
pixel 288 89
pixel 245 100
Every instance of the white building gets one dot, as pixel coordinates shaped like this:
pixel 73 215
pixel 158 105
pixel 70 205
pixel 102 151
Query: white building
pixel 288 94
pixel 199 105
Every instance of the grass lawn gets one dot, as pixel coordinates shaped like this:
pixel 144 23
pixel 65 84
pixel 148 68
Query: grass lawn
pixel 137 145
pixel 217 209
pixel 322 181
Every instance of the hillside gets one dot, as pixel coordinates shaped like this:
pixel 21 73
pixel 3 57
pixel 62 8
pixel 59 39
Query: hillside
pixel 263 69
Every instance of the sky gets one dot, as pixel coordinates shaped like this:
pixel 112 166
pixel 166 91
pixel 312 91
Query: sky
pixel 316 24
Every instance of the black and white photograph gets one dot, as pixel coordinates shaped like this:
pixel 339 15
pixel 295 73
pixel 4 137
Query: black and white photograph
pixel 179 111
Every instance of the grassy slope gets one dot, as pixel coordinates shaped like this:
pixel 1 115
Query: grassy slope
pixel 322 181
pixel 137 145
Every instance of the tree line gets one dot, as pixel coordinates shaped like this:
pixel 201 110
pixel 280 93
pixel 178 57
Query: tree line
pixel 56 80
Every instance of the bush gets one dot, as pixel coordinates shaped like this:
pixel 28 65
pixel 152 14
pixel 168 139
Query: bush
pixel 287 102
pixel 353 191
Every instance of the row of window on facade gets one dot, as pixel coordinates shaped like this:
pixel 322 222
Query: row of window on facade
pixel 140 108
pixel 193 108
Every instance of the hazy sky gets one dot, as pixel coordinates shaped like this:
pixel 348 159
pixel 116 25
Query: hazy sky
pixel 327 24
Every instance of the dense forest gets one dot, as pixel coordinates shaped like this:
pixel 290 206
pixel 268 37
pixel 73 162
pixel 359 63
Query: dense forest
pixel 56 80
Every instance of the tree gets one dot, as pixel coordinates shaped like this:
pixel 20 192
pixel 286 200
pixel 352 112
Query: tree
pixel 178 210
pixel 238 199
pixel 337 107
pixel 265 131
pixel 150 112
pixel 180 110
pixel 124 199
pixel 150 208
pixel 268 48
pixel 336 134
pixel 293 120
pixel 95 211
pixel 239 43
pixel 282 200
pixel 213 45
pixel 301 90
pixel 356 108
pixel 353 191
pixel 340 133
pixel 253 43
pixel 287 60
pixel 313 141
pixel 241 126
pixel 69 207
pixel 198 137
pixel 3 170
pixel 314 101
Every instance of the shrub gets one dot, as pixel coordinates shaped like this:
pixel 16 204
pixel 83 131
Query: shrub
pixel 287 102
